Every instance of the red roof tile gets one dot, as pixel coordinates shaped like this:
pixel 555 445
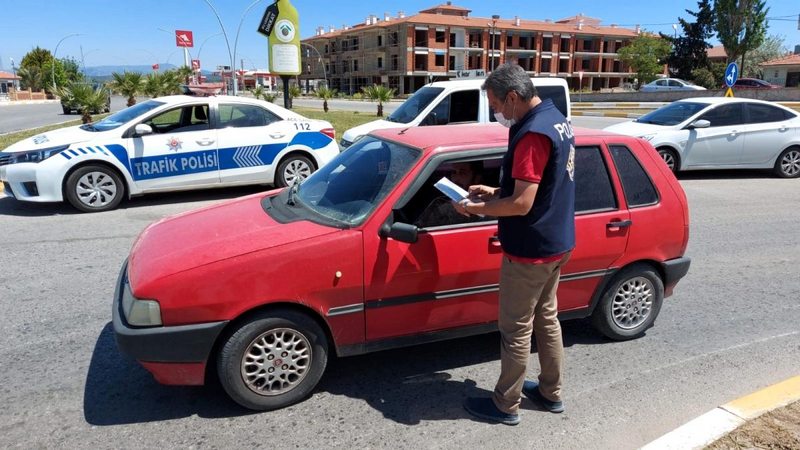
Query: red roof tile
pixel 8 76
pixel 788 60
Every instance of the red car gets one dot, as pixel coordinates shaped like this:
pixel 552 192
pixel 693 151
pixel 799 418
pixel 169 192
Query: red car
pixel 752 83
pixel 262 289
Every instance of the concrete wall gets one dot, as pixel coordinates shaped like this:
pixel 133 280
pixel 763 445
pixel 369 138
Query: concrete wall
pixel 785 94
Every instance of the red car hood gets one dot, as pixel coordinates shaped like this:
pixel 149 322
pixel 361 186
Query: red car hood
pixel 211 234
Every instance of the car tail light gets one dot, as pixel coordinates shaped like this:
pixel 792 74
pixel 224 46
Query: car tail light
pixel 330 132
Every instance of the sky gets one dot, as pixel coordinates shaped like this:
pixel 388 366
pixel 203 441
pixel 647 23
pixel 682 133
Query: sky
pixel 142 31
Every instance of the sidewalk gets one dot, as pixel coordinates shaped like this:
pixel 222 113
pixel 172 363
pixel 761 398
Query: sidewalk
pixel 709 427
pixel 27 102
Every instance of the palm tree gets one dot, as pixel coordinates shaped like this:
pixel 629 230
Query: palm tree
pixel 325 93
pixel 90 101
pixel 294 91
pixel 171 82
pixel 31 78
pixel 380 94
pixel 128 84
pixel 258 91
pixel 184 73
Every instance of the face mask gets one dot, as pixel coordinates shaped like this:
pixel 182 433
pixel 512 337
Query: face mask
pixel 501 119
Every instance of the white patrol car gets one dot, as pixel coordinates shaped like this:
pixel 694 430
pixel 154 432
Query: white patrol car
pixel 167 143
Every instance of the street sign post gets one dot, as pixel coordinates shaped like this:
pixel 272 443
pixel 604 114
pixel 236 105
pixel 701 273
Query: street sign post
pixel 731 75
pixel 281 25
pixel 183 38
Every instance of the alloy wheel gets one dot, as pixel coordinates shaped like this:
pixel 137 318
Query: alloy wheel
pixel 632 303
pixel 276 361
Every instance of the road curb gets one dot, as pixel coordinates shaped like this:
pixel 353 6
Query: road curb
pixel 28 102
pixel 714 424
pixel 606 114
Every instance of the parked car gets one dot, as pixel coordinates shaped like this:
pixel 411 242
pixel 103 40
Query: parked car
pixel 752 83
pixel 452 102
pixel 722 133
pixel 670 84
pixel 264 288
pixel 167 144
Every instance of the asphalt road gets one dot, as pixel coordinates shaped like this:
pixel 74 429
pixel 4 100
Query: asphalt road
pixel 730 328
pixel 21 117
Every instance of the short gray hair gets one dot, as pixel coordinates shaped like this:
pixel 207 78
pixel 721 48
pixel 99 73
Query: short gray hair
pixel 510 77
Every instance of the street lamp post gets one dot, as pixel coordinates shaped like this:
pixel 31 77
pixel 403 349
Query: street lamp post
pixel 236 41
pixel 53 65
pixel 14 72
pixel 321 63
pixel 493 26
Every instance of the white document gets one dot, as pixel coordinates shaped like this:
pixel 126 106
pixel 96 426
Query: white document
pixel 451 190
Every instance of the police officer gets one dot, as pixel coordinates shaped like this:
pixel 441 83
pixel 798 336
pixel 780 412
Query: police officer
pixel 535 206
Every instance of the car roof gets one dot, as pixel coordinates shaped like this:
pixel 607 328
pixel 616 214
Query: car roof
pixel 478 82
pixel 719 100
pixel 178 99
pixel 452 137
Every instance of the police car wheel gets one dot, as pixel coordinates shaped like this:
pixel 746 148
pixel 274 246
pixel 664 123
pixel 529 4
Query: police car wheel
pixel 272 360
pixel 630 303
pixel 94 188
pixel 292 168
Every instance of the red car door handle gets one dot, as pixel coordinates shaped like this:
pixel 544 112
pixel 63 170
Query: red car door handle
pixel 619 224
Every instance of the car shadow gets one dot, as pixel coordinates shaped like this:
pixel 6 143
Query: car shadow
pixel 406 385
pixel 12 207
pixel 737 174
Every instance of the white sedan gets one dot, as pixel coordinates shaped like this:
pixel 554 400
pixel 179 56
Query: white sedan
pixel 165 144
pixel 722 133
pixel 670 84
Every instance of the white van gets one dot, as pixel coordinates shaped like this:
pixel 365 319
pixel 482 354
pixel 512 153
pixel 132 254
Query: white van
pixel 454 101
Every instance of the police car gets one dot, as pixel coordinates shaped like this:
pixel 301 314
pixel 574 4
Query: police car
pixel 165 144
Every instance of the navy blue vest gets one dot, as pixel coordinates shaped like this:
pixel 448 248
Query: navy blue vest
pixel 549 227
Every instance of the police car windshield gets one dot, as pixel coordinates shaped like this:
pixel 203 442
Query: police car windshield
pixel 414 105
pixel 126 115
pixel 353 184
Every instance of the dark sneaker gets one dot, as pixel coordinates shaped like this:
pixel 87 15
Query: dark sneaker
pixel 531 390
pixel 485 409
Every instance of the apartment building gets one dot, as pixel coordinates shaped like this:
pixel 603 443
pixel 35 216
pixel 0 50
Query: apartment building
pixel 406 52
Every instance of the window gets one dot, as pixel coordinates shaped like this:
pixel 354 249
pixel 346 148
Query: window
pixel 459 106
pixel 588 45
pixel 725 115
pixel 545 65
pixel 585 64
pixel 439 60
pixel 380 63
pixel 563 65
pixel 758 113
pixel 428 207
pixel 547 44
pixel 380 40
pixel 241 116
pixel 674 83
pixel 188 118
pixel 509 40
pixel 421 62
pixel 593 188
pixel 639 190
pixel 356 181
pixel 421 38
pixel 394 61
pixel 565 45
pixel 453 63
pixel 440 36
pixel 355 65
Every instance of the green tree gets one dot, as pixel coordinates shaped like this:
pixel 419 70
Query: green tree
pixel 31 78
pixel 689 49
pixel 258 91
pixel 325 93
pixel 184 74
pixel 645 54
pixel 378 93
pixel 772 47
pixel 741 26
pixel 128 84
pixel 37 57
pixel 90 100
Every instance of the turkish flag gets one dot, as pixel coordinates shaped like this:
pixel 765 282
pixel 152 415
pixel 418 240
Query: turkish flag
pixel 195 64
pixel 155 66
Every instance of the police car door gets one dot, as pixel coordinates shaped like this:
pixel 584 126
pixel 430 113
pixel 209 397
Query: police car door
pixel 250 138
pixel 181 151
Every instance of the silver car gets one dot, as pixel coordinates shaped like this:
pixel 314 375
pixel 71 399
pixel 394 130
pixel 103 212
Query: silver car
pixel 722 133
pixel 670 84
